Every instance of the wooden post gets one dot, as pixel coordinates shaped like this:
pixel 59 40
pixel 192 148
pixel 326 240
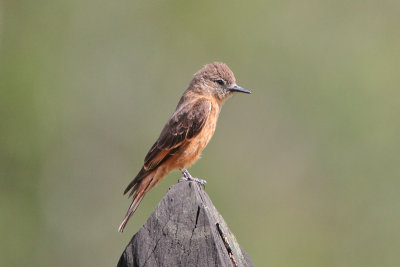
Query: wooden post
pixel 184 230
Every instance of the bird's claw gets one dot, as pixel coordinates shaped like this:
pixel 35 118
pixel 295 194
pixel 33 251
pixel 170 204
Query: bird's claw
pixel 188 177
pixel 200 181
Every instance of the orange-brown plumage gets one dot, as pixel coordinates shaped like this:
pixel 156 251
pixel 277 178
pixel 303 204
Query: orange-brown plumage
pixel 187 131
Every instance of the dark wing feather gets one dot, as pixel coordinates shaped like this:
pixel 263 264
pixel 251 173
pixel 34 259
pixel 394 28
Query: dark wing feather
pixel 186 122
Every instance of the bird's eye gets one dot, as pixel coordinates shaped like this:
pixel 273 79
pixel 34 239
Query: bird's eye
pixel 220 81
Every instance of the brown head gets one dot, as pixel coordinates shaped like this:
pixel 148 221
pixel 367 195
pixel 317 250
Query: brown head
pixel 215 79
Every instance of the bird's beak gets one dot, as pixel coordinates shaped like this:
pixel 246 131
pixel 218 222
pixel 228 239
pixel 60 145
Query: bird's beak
pixel 236 88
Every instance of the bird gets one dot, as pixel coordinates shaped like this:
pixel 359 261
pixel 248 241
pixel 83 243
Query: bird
pixel 187 131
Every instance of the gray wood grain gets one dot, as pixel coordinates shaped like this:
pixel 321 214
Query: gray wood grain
pixel 184 230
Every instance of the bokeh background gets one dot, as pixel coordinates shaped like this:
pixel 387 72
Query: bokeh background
pixel 305 170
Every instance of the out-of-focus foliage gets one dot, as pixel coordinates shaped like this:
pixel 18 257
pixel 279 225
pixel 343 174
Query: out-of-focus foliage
pixel 305 170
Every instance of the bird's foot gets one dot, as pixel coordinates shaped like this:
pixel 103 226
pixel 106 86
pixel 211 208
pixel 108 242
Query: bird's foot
pixel 200 181
pixel 188 177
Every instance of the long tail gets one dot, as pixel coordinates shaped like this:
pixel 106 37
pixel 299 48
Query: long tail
pixel 142 183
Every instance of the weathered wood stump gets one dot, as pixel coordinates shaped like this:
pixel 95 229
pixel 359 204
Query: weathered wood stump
pixel 184 230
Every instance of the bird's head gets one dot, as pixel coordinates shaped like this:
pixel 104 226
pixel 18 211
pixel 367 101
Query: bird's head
pixel 216 79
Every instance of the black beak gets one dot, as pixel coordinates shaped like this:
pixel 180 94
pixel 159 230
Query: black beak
pixel 236 88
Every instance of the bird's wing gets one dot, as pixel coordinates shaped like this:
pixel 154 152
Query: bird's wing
pixel 186 122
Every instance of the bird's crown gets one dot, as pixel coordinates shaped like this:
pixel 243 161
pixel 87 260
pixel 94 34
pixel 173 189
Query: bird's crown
pixel 218 72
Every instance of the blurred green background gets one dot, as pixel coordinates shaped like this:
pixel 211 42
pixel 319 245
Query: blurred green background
pixel 305 170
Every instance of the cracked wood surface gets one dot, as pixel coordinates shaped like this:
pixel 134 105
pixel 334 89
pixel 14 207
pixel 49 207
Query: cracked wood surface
pixel 184 230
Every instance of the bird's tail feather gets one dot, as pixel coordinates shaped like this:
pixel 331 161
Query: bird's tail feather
pixel 131 210
pixel 139 190
pixel 134 183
